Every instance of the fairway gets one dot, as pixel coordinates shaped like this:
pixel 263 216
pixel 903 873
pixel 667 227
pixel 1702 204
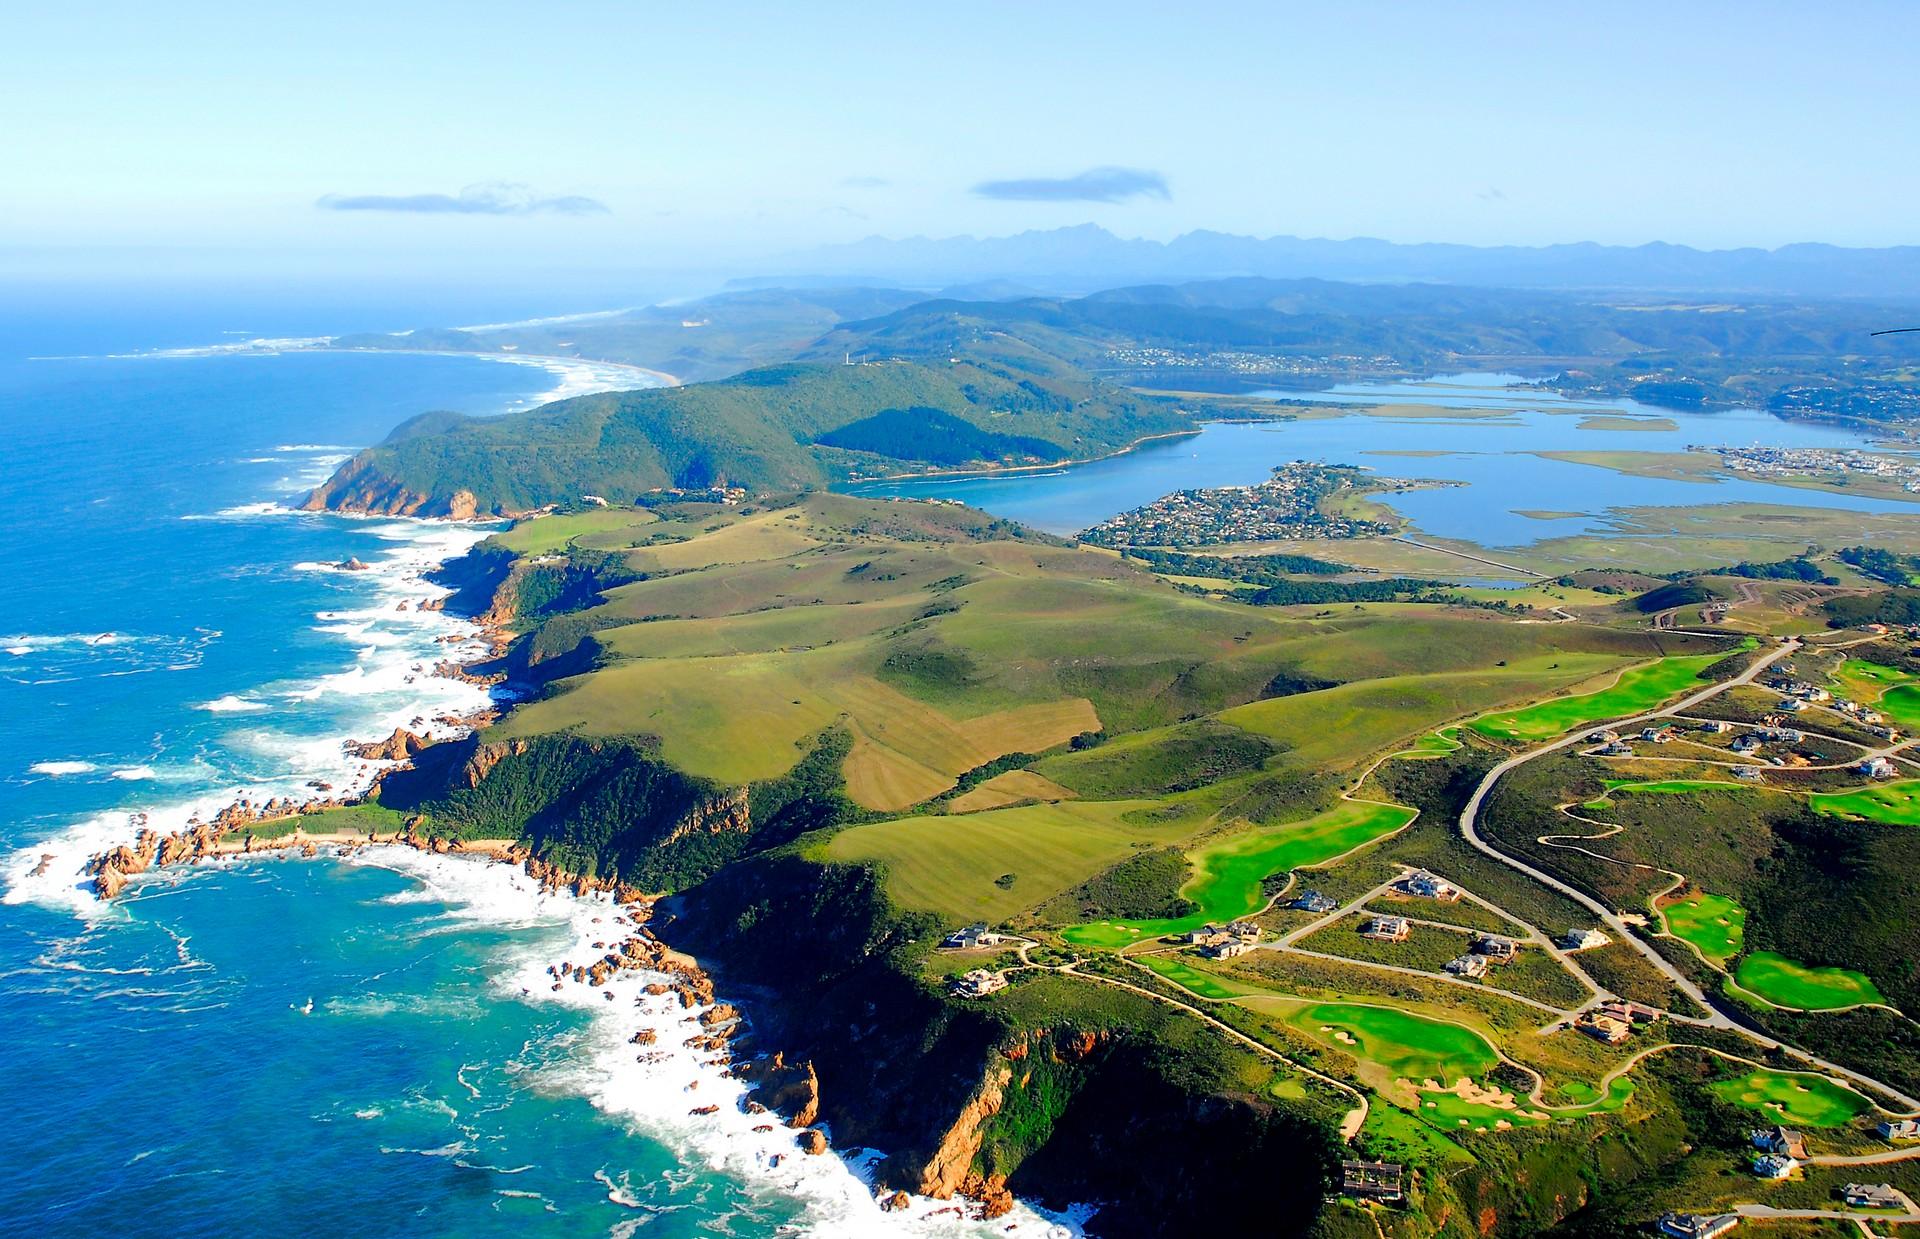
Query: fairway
pixel 1895 804
pixel 1785 983
pixel 1227 878
pixel 1407 1046
pixel 958 865
pixel 1337 727
pixel 1674 787
pixel 1184 975
pixel 1637 690
pixel 1713 923
pixel 1792 1097
pixel 1895 692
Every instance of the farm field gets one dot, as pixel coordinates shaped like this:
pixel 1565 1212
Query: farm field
pixel 1713 923
pixel 1228 874
pixel 1785 983
pixel 1794 1098
pixel 1637 690
pixel 1895 804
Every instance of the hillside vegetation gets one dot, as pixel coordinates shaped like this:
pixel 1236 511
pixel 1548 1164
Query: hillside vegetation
pixel 784 427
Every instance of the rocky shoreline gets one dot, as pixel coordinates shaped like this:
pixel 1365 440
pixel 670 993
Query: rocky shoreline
pixel 785 1093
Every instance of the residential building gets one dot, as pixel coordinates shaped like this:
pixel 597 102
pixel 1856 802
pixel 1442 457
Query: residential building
pixel 1900 1129
pixel 1715 727
pixel 1603 1028
pixel 1228 949
pixel 1745 744
pixel 1749 773
pixel 1312 901
pixel 1872 1196
pixel 1372 1180
pixel 1494 947
pixel 1657 735
pixel 978 983
pixel 974 935
pixel 1782 1140
pixel 1697 1225
pixel 1632 1012
pixel 1603 736
pixel 1583 939
pixel 1791 705
pixel 1616 749
pixel 1472 967
pixel 1428 886
pixel 1244 931
pixel 1209 934
pixel 1386 928
pixel 1774 1166
pixel 1876 768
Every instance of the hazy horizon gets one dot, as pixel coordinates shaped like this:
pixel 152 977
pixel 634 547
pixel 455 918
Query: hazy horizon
pixel 442 141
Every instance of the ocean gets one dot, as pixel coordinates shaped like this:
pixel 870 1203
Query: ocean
pixel 359 1046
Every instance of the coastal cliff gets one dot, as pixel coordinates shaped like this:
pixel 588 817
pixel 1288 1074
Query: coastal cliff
pixel 1070 1094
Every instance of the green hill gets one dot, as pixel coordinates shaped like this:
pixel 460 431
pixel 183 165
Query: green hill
pixel 788 427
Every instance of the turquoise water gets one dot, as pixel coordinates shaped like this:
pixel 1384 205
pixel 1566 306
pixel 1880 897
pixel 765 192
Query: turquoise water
pixel 358 1047
pixel 1493 456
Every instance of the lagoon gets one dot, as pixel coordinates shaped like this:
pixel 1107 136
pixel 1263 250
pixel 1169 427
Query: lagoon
pixel 1507 489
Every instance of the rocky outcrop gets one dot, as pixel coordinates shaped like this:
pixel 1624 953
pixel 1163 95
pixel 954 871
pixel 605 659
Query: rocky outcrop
pixel 945 1173
pixel 353 564
pixel 790 1090
pixel 400 746
pixel 361 486
pixel 725 814
pixel 812 1142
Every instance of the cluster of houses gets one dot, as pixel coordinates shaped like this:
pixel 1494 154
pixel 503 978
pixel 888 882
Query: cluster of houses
pixel 1613 1021
pixel 1782 1149
pixel 1225 941
pixel 1485 951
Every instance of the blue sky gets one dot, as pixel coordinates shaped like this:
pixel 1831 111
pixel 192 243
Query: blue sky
pixel 644 133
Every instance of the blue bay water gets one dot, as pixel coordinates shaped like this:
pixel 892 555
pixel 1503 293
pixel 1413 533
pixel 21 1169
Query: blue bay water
pixel 1495 457
pixel 367 1046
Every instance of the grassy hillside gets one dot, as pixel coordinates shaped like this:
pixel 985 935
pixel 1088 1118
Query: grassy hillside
pixel 783 427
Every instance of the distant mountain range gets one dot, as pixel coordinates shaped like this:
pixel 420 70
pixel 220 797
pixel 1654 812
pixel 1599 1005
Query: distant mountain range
pixel 1087 257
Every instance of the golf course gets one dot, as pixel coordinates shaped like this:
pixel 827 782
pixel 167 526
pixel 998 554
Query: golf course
pixel 1785 983
pixel 1228 874
pixel 1637 690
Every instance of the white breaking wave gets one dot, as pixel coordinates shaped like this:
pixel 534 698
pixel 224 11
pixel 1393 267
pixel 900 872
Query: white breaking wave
pixel 59 768
pixel 233 704
pixel 658 1096
pixel 386 684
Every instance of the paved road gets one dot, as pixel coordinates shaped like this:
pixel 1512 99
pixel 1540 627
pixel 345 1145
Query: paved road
pixel 1469 819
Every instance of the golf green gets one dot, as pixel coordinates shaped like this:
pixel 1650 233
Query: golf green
pixel 1226 882
pixel 1409 1046
pixel 1713 923
pixel 1785 983
pixel 1895 804
pixel 1793 1097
